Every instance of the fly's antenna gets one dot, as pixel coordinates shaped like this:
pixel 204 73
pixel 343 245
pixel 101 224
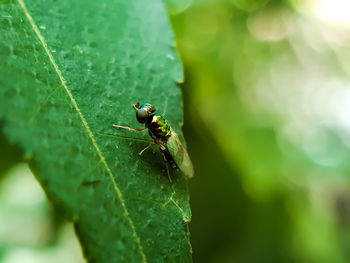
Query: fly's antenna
pixel 136 106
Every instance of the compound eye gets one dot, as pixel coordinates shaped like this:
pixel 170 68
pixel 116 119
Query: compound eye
pixel 142 115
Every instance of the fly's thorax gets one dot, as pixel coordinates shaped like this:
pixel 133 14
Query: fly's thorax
pixel 159 127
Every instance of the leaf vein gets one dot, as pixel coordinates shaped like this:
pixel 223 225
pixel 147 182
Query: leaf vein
pixel 39 108
pixel 76 107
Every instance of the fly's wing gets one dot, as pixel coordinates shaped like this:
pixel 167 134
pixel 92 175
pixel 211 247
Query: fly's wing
pixel 180 155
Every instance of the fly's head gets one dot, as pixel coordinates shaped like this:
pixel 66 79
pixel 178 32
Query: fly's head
pixel 144 112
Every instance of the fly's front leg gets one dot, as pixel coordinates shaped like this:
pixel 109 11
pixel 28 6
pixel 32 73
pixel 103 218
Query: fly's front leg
pixel 128 128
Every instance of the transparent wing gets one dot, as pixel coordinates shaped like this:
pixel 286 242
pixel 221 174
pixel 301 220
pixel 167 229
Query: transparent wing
pixel 180 155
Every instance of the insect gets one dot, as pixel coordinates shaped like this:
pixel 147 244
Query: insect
pixel 164 137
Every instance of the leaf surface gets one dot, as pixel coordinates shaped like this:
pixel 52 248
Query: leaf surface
pixel 68 71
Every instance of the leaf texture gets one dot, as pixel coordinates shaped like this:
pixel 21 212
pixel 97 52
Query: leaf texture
pixel 68 71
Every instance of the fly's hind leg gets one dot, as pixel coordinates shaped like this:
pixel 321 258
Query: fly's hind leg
pixel 128 128
pixel 167 168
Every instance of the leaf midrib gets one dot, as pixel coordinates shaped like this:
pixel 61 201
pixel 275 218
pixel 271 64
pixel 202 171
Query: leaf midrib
pixel 88 130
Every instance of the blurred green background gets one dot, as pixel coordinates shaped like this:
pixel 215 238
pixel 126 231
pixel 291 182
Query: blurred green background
pixel 267 123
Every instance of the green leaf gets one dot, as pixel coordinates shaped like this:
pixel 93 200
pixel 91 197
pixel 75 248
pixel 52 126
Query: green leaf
pixel 68 71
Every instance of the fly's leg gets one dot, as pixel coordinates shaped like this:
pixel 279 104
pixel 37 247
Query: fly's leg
pixel 128 128
pixel 144 149
pixel 167 168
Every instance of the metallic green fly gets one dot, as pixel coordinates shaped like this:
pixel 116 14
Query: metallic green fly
pixel 164 136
